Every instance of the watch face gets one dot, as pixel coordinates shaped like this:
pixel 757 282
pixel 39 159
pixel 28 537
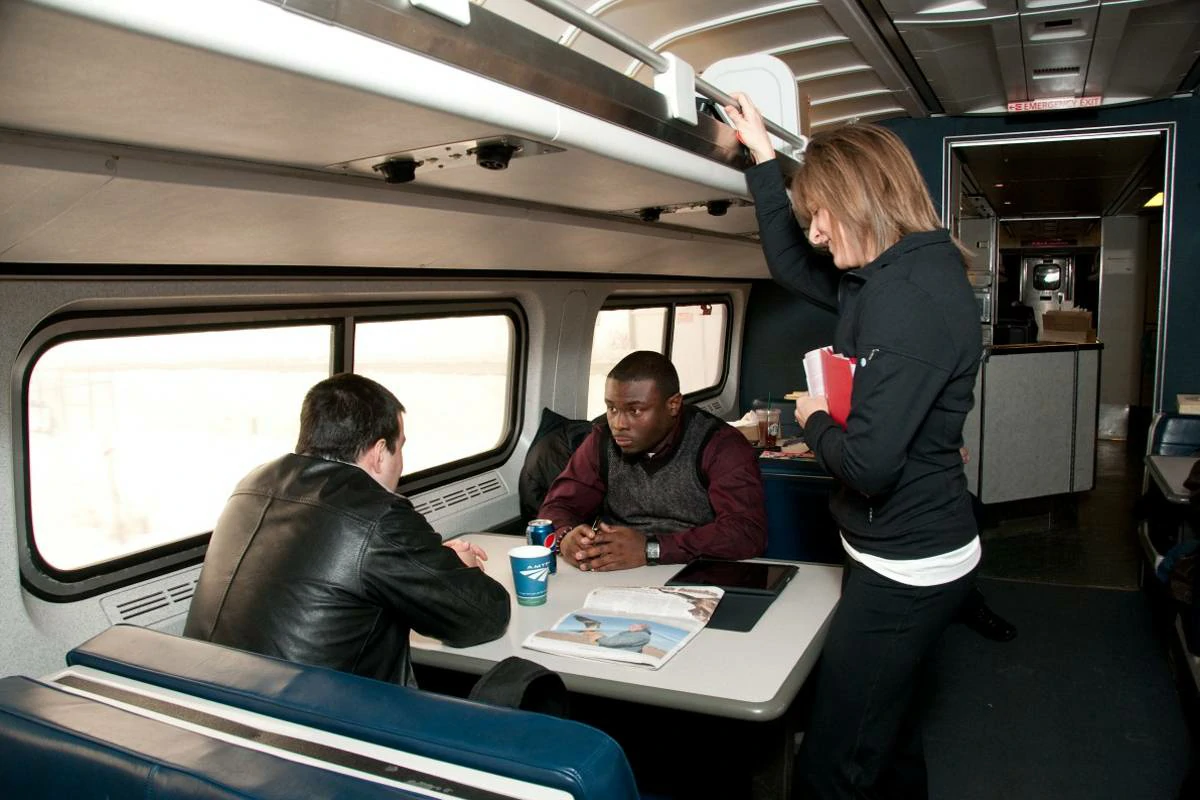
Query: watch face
pixel 652 550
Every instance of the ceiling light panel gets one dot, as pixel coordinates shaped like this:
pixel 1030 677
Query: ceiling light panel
pixel 975 64
pixel 754 34
pixel 948 12
pixel 818 64
pixel 651 22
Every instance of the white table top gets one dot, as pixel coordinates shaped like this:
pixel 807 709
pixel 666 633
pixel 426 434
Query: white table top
pixel 753 675
pixel 1169 472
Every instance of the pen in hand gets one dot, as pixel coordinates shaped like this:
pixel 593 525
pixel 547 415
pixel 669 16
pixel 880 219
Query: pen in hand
pixel 588 537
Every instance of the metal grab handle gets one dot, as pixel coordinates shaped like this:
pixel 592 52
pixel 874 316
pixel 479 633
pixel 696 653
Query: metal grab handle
pixel 630 46
pixel 798 141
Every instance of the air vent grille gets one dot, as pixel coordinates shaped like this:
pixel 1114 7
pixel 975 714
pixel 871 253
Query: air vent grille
pixel 152 602
pixel 461 496
pixel 1056 72
pixel 1058 29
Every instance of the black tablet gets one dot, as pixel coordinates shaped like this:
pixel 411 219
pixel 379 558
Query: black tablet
pixel 735 576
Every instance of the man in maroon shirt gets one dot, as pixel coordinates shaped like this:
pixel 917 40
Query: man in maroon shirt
pixel 659 483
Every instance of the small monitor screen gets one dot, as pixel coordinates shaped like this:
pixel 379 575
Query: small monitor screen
pixel 1047 277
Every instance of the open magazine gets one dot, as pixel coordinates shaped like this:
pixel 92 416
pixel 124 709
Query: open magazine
pixel 640 625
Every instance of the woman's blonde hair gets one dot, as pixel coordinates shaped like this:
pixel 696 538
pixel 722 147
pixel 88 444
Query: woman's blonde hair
pixel 866 179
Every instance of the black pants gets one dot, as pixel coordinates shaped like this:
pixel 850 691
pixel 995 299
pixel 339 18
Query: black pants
pixel 864 737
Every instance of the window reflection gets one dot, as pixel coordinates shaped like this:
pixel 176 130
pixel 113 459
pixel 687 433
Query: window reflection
pixel 697 347
pixel 136 441
pixel 618 332
pixel 453 375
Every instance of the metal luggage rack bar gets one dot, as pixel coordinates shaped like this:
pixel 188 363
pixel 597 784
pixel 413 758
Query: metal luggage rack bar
pixel 661 64
pixel 473 39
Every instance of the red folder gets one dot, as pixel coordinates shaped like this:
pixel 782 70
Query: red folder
pixel 838 373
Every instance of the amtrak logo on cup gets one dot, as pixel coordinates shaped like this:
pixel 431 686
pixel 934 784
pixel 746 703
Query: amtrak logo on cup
pixel 531 568
pixel 537 573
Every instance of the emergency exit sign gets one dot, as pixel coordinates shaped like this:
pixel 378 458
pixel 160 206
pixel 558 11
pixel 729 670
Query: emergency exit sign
pixel 1056 103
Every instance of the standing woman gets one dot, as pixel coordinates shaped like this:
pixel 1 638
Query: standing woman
pixel 876 254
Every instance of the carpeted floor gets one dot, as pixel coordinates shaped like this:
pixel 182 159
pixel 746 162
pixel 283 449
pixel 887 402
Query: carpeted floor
pixel 1081 705
pixel 1075 540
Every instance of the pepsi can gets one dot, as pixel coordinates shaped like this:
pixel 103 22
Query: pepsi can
pixel 541 532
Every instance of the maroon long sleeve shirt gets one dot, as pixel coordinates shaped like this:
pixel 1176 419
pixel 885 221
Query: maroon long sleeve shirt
pixel 735 491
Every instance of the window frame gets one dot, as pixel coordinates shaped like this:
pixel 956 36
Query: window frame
pixel 671 302
pixel 49 583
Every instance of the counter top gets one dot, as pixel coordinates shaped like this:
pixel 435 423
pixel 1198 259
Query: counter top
pixel 1040 347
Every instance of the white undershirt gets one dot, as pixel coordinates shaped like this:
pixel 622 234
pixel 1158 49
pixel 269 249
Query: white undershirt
pixel 930 571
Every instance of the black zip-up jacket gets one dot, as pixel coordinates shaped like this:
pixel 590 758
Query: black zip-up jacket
pixel 910 320
pixel 313 561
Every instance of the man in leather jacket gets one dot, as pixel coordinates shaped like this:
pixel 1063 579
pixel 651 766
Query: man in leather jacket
pixel 316 559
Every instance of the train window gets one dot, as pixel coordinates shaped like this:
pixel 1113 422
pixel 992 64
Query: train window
pixel 135 441
pixel 453 375
pixel 691 333
pixel 618 332
pixel 698 345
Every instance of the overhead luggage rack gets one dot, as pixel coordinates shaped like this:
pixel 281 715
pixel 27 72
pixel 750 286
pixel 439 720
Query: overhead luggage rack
pixel 304 115
pixel 496 48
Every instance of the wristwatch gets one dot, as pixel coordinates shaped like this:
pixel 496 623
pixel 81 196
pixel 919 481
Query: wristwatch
pixel 652 550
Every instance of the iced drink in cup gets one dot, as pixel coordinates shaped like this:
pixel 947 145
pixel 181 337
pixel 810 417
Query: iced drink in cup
pixel 768 426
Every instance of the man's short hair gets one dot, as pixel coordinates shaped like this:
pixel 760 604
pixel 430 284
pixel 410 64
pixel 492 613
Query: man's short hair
pixel 345 415
pixel 647 365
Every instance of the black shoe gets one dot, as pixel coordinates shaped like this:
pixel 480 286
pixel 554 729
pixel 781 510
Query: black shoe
pixel 988 624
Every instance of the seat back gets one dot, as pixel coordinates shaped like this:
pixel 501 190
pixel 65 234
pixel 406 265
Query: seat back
pixel 1174 435
pixel 55 743
pixel 799 525
pixel 535 748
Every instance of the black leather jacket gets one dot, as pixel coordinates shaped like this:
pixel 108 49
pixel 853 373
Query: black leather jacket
pixel 313 561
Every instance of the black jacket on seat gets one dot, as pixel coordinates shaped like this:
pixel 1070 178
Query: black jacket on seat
pixel 313 561
pixel 556 439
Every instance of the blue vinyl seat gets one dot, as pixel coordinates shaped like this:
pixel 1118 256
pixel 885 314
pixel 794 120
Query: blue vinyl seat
pixel 534 748
pixel 55 744
pixel 1174 435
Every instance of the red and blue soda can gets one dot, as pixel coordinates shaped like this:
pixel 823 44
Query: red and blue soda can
pixel 541 532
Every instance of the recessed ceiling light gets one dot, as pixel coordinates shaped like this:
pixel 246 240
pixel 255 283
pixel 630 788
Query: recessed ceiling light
pixel 998 185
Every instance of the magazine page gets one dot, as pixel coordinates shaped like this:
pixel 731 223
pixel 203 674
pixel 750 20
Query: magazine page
pixel 688 603
pixel 638 625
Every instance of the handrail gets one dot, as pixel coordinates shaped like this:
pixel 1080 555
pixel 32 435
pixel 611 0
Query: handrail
pixel 630 46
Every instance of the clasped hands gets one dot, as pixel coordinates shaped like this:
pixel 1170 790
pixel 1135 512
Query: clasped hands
pixel 604 549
